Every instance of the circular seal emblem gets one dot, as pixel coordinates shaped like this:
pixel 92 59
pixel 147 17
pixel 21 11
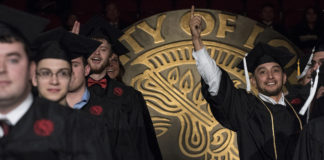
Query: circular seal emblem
pixel 160 65
pixel 96 110
pixel 43 127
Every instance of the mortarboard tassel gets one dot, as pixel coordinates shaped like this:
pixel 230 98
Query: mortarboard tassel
pixel 246 73
pixel 311 95
pixel 309 62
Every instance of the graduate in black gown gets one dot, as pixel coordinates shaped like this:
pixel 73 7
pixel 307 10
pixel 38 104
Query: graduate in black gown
pixel 310 144
pixel 266 124
pixel 115 70
pixel 317 60
pixel 129 105
pixel 81 98
pixel 311 141
pixel 36 128
pixel 53 68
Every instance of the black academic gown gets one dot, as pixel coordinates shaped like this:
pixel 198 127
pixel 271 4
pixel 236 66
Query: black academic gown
pixel 297 96
pixel 250 119
pixel 51 131
pixel 123 109
pixel 311 141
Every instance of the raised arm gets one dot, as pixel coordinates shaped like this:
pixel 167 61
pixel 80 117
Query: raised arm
pixel 195 28
pixel 206 66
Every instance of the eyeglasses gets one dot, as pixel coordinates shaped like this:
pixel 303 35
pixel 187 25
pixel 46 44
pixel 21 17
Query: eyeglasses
pixel 61 74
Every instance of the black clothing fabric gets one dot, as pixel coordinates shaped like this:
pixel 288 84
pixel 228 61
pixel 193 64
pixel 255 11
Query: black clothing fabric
pixel 297 96
pixel 130 124
pixel 245 114
pixel 51 131
pixel 317 108
pixel 310 145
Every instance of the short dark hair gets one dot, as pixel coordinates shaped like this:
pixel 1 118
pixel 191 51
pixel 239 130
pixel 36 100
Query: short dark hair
pixel 10 34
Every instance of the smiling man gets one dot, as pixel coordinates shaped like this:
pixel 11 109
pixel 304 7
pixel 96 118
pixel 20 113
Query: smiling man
pixel 267 125
pixel 130 108
pixel 33 127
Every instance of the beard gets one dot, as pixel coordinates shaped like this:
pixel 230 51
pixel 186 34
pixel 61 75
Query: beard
pixel 270 93
pixel 97 69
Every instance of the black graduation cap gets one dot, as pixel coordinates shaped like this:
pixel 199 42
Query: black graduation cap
pixel 78 45
pixel 61 44
pixel 48 45
pixel 98 27
pixel 264 53
pixel 28 25
pixel 52 49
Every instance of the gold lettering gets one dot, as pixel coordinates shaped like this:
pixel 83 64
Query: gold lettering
pixel 255 32
pixel 207 18
pixel 223 27
pixel 131 41
pixel 156 34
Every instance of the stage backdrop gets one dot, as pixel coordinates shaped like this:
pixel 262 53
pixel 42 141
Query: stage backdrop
pixel 161 66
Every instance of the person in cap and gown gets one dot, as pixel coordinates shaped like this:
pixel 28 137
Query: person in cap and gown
pixel 53 68
pixel 115 70
pixel 317 57
pixel 131 104
pixel 310 144
pixel 32 127
pixel 266 124
pixel 79 97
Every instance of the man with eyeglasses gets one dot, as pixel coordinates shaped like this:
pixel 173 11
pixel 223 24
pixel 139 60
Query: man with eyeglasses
pixel 52 79
pixel 34 127
pixel 53 67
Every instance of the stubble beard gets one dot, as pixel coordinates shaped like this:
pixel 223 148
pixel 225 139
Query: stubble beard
pixel 98 70
pixel 270 93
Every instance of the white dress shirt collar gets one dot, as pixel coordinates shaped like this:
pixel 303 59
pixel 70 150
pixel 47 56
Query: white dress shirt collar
pixel 272 101
pixel 15 115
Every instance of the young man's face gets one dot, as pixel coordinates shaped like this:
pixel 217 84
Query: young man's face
pixel 113 67
pixel 269 79
pixel 78 75
pixel 99 59
pixel 14 73
pixel 318 60
pixel 52 78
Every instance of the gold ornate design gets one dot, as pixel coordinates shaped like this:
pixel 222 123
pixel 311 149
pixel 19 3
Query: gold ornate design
pixel 170 88
pixel 161 125
pixel 161 66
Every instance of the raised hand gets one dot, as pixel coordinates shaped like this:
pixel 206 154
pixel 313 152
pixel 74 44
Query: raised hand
pixel 76 28
pixel 195 29
pixel 195 23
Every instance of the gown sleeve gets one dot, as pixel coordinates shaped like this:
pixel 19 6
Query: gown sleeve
pixel 310 145
pixel 230 106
